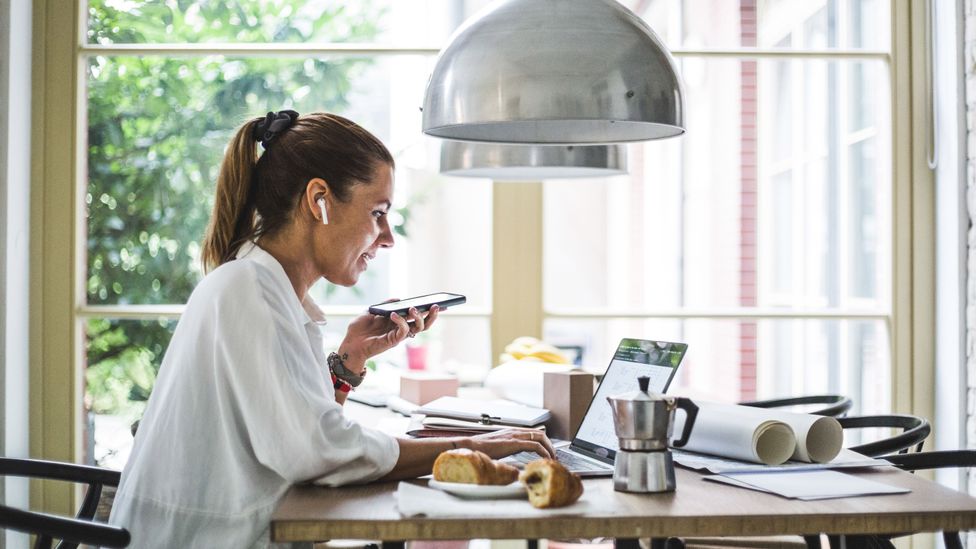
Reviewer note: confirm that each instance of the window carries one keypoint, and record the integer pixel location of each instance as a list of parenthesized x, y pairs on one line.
[(764, 237), (167, 85), (761, 237)]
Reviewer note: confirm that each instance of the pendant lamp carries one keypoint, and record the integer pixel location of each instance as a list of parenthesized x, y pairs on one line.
[(554, 72), (502, 162)]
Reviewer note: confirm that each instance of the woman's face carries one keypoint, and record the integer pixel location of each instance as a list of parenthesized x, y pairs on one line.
[(358, 228)]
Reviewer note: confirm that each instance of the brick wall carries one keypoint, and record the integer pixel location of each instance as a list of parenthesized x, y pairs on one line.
[(747, 203)]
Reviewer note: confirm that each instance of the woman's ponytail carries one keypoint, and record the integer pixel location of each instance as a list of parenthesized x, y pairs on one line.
[(232, 222)]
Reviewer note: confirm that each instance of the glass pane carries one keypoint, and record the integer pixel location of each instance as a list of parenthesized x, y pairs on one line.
[(680, 23), (738, 360), (417, 22), (123, 358), (157, 130), (765, 201), (690, 24)]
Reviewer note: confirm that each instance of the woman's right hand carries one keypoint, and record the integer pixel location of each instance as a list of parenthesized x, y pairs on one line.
[(498, 444)]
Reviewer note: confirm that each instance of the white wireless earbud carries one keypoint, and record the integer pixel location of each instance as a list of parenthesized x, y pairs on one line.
[(325, 216)]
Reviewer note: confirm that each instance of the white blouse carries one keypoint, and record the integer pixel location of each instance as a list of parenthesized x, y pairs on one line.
[(242, 409)]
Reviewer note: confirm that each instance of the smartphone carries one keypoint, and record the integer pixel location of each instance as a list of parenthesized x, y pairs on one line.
[(422, 303)]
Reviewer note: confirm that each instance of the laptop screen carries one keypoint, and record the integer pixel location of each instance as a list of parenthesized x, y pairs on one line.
[(658, 360)]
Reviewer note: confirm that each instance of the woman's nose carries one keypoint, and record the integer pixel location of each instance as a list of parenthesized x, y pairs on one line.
[(385, 240)]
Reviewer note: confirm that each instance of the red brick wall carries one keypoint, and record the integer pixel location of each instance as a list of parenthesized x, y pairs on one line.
[(747, 203)]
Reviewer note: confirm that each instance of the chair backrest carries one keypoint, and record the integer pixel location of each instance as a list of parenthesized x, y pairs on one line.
[(914, 432), (942, 459), (830, 405), (71, 531)]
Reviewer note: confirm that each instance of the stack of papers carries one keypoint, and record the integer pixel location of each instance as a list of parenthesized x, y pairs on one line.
[(807, 484), (720, 465), (795, 480)]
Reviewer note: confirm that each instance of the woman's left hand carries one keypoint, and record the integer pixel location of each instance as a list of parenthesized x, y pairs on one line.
[(369, 335)]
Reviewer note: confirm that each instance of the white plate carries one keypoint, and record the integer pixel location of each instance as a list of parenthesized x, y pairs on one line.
[(480, 491)]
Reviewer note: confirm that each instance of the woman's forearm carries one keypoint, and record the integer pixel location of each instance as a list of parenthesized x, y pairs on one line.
[(417, 455)]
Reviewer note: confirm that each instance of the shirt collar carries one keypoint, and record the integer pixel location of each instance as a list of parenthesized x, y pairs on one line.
[(307, 308)]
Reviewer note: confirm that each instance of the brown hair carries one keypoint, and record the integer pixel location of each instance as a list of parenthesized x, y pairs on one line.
[(256, 195)]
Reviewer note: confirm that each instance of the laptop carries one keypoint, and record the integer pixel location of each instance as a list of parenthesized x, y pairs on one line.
[(594, 446)]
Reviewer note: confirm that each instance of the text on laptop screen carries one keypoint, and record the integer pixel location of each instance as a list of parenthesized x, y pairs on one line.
[(657, 360)]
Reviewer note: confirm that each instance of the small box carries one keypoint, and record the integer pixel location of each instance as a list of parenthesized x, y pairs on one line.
[(423, 387), (566, 395)]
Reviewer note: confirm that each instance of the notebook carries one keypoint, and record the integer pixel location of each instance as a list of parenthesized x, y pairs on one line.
[(594, 446)]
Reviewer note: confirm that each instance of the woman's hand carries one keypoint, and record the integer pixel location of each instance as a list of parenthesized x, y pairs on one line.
[(369, 335), (498, 444)]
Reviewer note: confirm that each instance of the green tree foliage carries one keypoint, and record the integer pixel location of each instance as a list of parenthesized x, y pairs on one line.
[(157, 127)]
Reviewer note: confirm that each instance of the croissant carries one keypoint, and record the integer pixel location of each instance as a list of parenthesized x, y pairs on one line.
[(550, 485), (472, 467)]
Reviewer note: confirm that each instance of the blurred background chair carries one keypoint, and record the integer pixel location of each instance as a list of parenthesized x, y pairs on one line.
[(820, 405), (71, 531), (914, 431)]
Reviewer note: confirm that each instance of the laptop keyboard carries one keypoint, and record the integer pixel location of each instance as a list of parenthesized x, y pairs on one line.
[(572, 461)]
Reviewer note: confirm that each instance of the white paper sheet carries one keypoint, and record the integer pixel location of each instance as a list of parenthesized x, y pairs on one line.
[(762, 436), (846, 459), (809, 485)]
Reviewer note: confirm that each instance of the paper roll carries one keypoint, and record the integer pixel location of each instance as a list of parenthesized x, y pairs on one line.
[(762, 435)]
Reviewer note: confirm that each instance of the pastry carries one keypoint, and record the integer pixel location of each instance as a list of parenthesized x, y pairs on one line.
[(550, 484), (472, 467)]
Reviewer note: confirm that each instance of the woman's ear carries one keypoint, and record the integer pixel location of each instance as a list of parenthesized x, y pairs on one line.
[(317, 194)]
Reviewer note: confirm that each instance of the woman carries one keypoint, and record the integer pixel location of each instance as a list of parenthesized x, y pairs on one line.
[(247, 403)]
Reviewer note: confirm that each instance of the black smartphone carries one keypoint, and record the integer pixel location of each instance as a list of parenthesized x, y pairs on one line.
[(422, 303)]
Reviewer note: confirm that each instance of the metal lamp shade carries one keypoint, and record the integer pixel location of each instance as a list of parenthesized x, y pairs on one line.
[(554, 72), (531, 162)]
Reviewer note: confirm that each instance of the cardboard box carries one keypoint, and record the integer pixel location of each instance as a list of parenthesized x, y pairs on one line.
[(566, 395), (423, 387)]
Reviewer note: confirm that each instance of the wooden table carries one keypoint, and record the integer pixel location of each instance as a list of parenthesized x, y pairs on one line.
[(698, 508)]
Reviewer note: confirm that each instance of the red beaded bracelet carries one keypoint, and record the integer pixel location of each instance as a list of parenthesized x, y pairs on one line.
[(340, 385)]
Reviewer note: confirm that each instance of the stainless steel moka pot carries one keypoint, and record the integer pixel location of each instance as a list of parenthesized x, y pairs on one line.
[(643, 422)]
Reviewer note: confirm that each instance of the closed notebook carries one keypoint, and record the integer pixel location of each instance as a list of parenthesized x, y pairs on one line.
[(487, 412), (448, 427)]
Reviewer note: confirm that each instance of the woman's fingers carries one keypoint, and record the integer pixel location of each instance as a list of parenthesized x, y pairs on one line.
[(524, 440), (418, 321), (402, 328), (431, 317)]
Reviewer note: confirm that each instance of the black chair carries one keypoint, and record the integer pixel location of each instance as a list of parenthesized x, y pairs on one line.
[(830, 405), (943, 459), (914, 432), (71, 531)]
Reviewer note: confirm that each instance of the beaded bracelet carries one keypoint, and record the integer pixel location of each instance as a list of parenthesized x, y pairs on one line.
[(340, 385)]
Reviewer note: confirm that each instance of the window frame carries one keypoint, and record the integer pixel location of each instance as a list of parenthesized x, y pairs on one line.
[(58, 266)]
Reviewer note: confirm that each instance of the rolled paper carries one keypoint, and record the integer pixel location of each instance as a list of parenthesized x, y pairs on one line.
[(760, 435)]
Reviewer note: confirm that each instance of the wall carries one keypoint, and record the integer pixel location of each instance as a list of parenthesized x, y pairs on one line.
[(969, 49), (15, 131)]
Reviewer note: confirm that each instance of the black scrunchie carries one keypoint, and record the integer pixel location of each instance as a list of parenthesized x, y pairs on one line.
[(272, 125)]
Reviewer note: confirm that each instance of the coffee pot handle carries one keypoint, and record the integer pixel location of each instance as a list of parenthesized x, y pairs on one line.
[(691, 412)]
